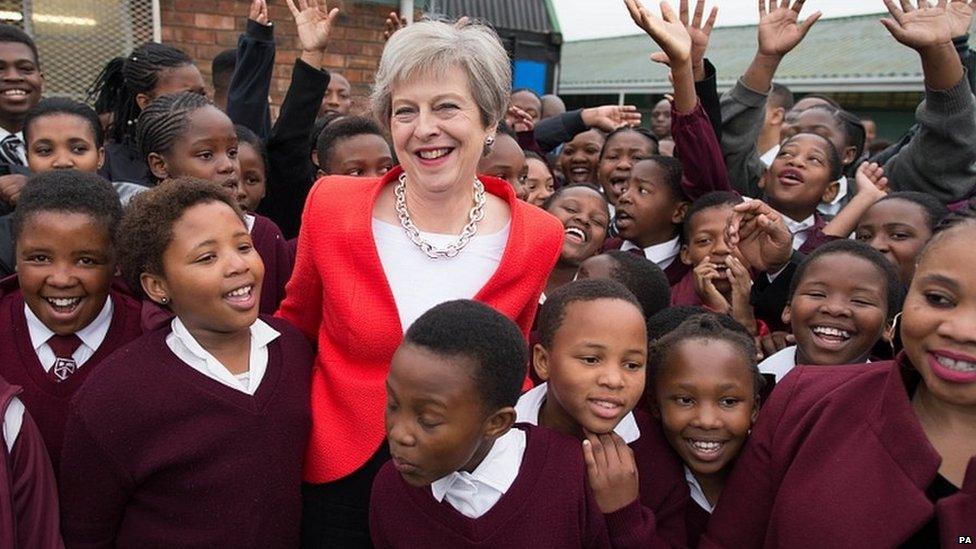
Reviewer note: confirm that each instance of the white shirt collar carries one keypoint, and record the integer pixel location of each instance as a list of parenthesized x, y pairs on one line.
[(697, 494), (22, 150), (779, 363), (91, 336), (528, 406), (249, 222), (662, 254), (189, 350), (770, 155), (474, 494)]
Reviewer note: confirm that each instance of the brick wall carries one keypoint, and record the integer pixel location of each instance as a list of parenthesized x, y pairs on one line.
[(204, 28)]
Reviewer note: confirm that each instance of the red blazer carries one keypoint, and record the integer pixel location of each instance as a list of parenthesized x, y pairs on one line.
[(838, 459), (338, 296)]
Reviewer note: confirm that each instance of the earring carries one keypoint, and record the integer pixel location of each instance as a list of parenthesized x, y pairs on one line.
[(489, 141), (164, 300)]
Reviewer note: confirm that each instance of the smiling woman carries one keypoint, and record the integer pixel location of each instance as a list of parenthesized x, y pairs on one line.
[(374, 255)]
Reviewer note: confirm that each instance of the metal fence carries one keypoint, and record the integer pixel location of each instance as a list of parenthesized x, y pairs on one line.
[(76, 38)]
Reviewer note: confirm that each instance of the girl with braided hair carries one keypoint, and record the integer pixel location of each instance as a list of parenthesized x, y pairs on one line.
[(124, 88), (185, 134)]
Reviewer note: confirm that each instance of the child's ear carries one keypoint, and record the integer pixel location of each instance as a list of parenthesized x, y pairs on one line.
[(787, 315), (775, 116), (101, 157), (685, 256), (755, 410), (679, 212), (499, 422), (156, 288), (763, 179), (143, 100), (157, 165), (849, 157), (830, 193), (319, 173), (314, 157), (540, 361)]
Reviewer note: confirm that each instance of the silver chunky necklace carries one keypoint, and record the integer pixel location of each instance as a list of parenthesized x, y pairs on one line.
[(476, 214)]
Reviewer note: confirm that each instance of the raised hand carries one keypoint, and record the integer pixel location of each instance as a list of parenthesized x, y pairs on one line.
[(919, 28), (870, 178), (259, 12), (314, 21), (779, 29), (667, 31), (519, 120), (699, 33), (611, 117), (960, 16), (393, 23), (611, 470), (761, 235), (705, 275)]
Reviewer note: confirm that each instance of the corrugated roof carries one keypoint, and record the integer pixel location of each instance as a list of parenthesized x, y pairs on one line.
[(845, 54), (522, 15)]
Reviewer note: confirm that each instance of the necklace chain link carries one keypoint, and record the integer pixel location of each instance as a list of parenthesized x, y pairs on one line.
[(476, 214)]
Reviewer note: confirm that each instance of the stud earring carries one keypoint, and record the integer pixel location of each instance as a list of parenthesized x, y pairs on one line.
[(164, 300)]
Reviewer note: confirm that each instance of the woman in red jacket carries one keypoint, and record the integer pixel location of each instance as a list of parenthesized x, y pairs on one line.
[(375, 254)]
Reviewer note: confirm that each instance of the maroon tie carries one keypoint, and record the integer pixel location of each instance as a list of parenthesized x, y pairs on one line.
[(637, 251), (64, 346)]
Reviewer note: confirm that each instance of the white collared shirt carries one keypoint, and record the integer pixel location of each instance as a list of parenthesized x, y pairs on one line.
[(799, 229), (779, 363), (528, 406), (249, 222), (187, 349), (662, 254), (474, 494), (770, 155), (22, 149), (91, 336), (13, 419), (697, 494)]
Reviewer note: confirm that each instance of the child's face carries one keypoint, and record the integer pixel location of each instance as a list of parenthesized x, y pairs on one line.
[(799, 178), (621, 153), (63, 142), (647, 211), (585, 219), (338, 96), (706, 238), (661, 119), (211, 272), (435, 421), (822, 123), (898, 229), (938, 323), (364, 155), (506, 161), (706, 398), (595, 367), (65, 264), (21, 82), (839, 310), (579, 157), (182, 78), (253, 176), (538, 182), (207, 150)]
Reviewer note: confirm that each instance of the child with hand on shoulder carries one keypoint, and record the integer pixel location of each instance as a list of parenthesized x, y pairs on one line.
[(142, 467), (592, 355), (461, 474)]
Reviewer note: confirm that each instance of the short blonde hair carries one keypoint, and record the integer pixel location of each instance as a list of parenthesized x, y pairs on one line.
[(433, 47)]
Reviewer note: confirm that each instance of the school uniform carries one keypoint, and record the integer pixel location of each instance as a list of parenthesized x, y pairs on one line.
[(808, 234), (27, 358), (838, 458), (656, 518), (165, 448), (278, 260), (28, 494), (664, 255), (547, 503), (247, 93)]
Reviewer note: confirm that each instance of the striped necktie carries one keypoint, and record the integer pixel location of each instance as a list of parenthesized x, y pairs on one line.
[(10, 150)]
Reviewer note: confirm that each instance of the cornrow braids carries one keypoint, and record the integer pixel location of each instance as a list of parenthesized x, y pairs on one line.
[(123, 78), (165, 119)]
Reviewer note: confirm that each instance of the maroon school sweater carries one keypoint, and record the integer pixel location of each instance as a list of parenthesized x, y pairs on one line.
[(548, 505), (279, 259), (46, 400), (156, 454), (657, 517)]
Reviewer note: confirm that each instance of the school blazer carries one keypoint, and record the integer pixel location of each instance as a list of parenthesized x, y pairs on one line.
[(838, 459)]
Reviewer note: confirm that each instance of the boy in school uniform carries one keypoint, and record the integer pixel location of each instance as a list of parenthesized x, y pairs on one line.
[(461, 475), (23, 78), (60, 317)]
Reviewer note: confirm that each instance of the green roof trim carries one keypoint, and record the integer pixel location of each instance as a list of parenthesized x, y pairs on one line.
[(854, 54)]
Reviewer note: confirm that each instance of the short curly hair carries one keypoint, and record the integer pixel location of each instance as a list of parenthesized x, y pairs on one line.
[(433, 47), (147, 227), (487, 341), (69, 191), (553, 311)]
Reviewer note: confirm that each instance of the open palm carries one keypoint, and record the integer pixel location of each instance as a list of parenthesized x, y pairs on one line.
[(919, 28), (779, 29), (314, 20), (667, 31)]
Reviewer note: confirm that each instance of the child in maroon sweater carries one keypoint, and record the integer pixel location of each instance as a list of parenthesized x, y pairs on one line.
[(193, 434), (592, 353), (59, 317), (184, 134), (461, 476)]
